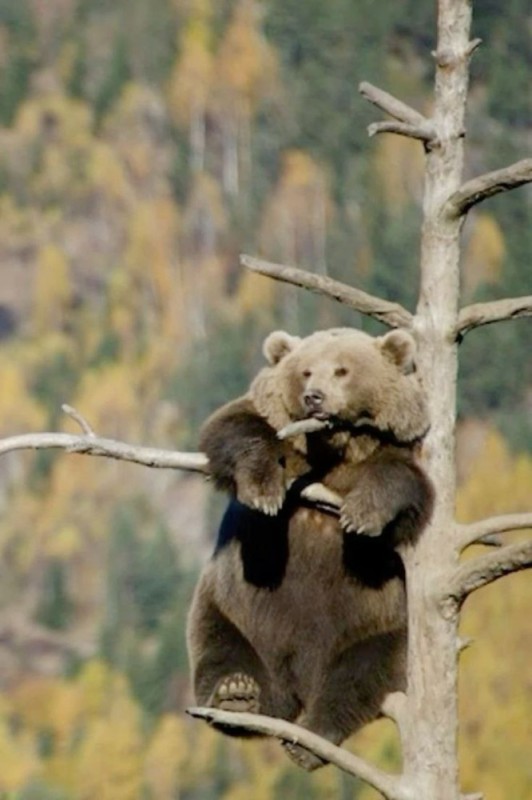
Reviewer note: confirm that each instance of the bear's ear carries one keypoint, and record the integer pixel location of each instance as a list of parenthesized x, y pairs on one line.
[(401, 349), (277, 345)]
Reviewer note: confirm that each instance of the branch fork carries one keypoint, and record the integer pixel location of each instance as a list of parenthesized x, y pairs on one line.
[(408, 121)]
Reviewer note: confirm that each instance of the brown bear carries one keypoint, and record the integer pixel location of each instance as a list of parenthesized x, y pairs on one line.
[(301, 614)]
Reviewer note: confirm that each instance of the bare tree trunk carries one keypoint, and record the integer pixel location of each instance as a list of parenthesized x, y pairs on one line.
[(430, 737)]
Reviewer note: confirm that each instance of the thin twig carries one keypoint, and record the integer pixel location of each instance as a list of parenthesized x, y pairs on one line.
[(303, 426), (479, 572), (391, 314), (392, 786), (464, 643), (321, 497), (79, 418), (478, 314), (424, 133), (488, 185), (473, 44), (110, 448), (476, 531)]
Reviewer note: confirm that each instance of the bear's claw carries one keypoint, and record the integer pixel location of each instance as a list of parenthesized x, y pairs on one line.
[(237, 692), (270, 506), (366, 521)]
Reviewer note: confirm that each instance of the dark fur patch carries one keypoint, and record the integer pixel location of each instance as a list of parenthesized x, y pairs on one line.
[(264, 545), (372, 561)]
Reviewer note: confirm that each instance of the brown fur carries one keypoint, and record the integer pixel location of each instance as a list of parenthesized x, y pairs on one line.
[(298, 615)]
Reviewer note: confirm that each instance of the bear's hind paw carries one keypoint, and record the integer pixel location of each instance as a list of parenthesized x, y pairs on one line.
[(237, 692), (302, 757)]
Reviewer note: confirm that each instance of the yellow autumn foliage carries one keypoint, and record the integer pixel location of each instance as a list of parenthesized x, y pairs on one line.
[(53, 289), (19, 412), (105, 173), (499, 482), (398, 165), (495, 696), (246, 65), (165, 756), (67, 120), (108, 399), (18, 759), (191, 80), (256, 293), (96, 682), (295, 219), (109, 760)]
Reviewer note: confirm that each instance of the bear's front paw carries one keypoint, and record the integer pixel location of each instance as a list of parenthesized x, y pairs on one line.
[(262, 488), (237, 692), (357, 515)]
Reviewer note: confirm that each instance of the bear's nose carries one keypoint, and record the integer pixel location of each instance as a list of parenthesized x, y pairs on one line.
[(313, 398)]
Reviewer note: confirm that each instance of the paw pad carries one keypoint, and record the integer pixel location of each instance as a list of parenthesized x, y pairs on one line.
[(237, 692)]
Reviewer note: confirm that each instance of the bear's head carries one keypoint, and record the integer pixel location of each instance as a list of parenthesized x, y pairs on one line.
[(345, 376)]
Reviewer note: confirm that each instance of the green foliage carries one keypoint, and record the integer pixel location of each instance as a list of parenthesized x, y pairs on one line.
[(147, 596), (18, 19), (215, 370), (14, 85), (39, 790), (295, 784), (55, 608), (76, 85), (116, 76), (326, 49), (54, 381)]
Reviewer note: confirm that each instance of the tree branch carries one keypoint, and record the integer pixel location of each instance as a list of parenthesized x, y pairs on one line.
[(391, 314), (111, 448), (391, 105), (423, 132), (479, 572), (409, 122), (474, 532), (391, 786), (485, 313), (488, 185), (79, 418)]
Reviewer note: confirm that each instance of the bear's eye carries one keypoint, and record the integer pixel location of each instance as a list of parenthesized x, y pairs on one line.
[(306, 373), (340, 372)]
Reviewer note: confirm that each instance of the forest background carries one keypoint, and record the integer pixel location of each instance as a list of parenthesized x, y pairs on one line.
[(143, 146)]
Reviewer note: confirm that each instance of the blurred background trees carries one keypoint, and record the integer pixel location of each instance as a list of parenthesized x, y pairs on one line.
[(143, 146)]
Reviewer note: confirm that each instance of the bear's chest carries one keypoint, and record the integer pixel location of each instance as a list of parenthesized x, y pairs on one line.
[(328, 592)]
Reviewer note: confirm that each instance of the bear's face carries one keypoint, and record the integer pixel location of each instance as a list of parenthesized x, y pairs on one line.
[(346, 375)]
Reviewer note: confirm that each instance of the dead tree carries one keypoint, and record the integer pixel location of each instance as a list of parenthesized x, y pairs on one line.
[(437, 582)]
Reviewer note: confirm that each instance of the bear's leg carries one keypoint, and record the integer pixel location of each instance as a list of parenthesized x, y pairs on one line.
[(230, 675), (353, 692)]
